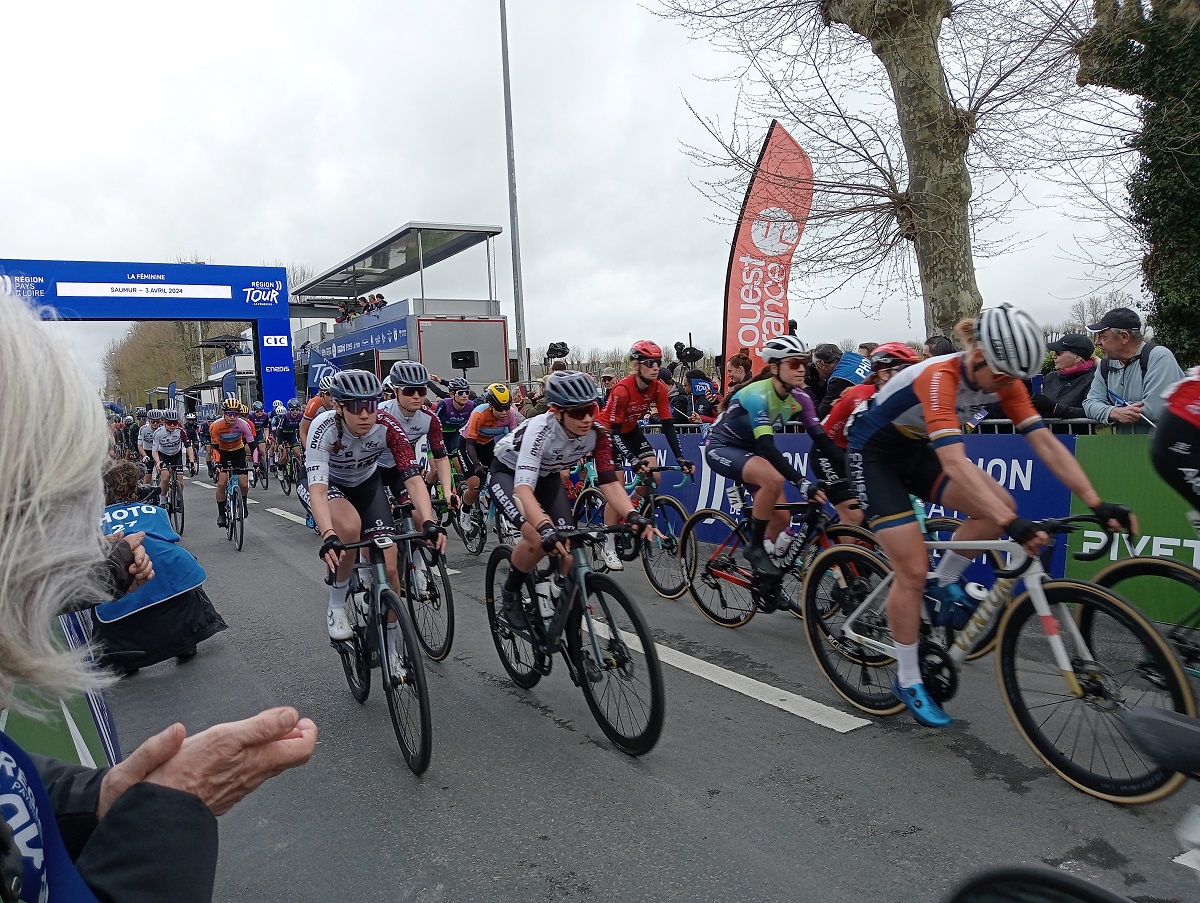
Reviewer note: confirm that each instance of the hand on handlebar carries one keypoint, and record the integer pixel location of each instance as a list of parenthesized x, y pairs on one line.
[(1031, 537), (812, 491), (331, 550), (687, 466), (552, 541), (641, 526), (1117, 518), (434, 536)]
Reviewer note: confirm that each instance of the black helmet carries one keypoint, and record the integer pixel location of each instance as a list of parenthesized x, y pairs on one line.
[(355, 385)]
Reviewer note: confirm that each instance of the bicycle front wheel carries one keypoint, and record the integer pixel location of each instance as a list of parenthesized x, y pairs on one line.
[(518, 654), (624, 689), (837, 583), (1082, 738), (791, 587), (285, 479), (175, 506), (237, 519), (660, 556), (403, 679), (264, 476), (430, 601), (719, 586)]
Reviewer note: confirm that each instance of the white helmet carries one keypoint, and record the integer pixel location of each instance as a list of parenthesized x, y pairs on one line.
[(1012, 342), (326, 384), (783, 346)]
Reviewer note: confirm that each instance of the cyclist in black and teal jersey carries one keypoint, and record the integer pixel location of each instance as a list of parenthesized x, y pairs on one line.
[(742, 446)]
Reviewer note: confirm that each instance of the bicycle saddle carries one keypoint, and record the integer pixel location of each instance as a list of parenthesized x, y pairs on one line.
[(1169, 738)]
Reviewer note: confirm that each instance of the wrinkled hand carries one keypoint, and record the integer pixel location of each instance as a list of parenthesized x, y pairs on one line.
[(142, 568), (1130, 413)]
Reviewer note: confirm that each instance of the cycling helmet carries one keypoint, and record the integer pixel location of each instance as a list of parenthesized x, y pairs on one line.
[(569, 388), (458, 384), (128, 419), (408, 373), (355, 385), (892, 354), (645, 349), (171, 415), (326, 384), (277, 403), (387, 387), (1012, 342), (190, 417), (784, 346), (498, 396), (155, 414), (232, 405), (294, 404), (141, 412), (258, 405)]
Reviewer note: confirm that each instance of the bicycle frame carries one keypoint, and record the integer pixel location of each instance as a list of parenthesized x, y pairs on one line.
[(1023, 567), (577, 574)]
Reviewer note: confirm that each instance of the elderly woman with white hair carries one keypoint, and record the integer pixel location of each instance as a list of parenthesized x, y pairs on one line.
[(144, 829)]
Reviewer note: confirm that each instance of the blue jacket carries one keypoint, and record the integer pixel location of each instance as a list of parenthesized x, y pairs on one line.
[(175, 570)]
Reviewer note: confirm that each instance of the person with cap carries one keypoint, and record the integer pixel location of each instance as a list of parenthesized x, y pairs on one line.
[(608, 376), (1066, 386), (1133, 375)]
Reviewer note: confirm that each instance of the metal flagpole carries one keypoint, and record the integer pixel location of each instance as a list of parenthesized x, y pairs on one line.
[(518, 294)]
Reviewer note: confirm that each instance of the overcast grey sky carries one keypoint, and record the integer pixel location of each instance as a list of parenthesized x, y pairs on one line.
[(304, 131)]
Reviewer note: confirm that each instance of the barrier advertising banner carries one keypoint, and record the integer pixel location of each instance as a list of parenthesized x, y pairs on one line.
[(772, 220)]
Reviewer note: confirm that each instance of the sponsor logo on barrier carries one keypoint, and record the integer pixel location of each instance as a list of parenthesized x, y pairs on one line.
[(1185, 550)]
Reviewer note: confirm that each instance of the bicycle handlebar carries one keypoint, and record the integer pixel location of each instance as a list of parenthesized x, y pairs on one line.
[(1072, 524)]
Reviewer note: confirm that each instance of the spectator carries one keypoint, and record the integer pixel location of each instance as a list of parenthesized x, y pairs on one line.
[(558, 364), (536, 402), (1132, 377), (866, 349), (738, 372), (824, 359), (844, 371), (343, 311), (702, 406), (145, 828), (1066, 386), (937, 345), (608, 376)]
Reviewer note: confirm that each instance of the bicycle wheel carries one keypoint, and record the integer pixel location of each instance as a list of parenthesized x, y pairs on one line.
[(589, 512), (660, 556), (719, 586), (285, 478), (355, 652), (264, 476), (237, 519), (1083, 739), (838, 581), (175, 507), (403, 679), (476, 537), (520, 658), (624, 689), (791, 587), (430, 600), (1141, 578), (943, 528)]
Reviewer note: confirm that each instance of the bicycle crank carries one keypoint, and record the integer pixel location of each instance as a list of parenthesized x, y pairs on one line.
[(938, 671)]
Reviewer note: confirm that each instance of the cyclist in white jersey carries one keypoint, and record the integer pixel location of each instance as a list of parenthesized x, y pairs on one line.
[(420, 424), (526, 486), (168, 450), (343, 489), (151, 421)]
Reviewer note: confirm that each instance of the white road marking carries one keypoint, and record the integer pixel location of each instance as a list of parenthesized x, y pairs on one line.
[(1191, 859), (288, 515), (196, 482), (797, 705)]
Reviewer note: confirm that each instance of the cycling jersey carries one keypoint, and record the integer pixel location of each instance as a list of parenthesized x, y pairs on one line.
[(167, 442), (837, 421), (1183, 397), (289, 427), (337, 456), (259, 420), (484, 426), (146, 437), (313, 407), (191, 430), (230, 436), (421, 424), (540, 447), (932, 400), (453, 418), (755, 410), (627, 404)]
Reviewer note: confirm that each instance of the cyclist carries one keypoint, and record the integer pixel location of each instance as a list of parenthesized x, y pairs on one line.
[(525, 484), (638, 395), (345, 490), (419, 422), (278, 412), (260, 420), (910, 441), (492, 419), (168, 450), (229, 437), (1175, 449), (130, 436), (454, 412), (289, 433), (742, 446), (319, 403), (389, 391), (887, 360), (191, 440)]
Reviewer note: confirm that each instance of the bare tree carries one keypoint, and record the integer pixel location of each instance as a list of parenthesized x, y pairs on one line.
[(919, 116)]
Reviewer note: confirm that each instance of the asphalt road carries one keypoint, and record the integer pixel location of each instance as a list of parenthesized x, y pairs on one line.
[(525, 799)]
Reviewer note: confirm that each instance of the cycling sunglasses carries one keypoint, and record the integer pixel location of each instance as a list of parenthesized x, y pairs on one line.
[(581, 411), (410, 391), (651, 362), (462, 392), (364, 406)]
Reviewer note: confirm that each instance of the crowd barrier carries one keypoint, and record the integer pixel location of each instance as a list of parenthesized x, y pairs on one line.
[(1118, 466)]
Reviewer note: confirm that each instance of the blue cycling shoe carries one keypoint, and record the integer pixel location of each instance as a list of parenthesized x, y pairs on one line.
[(921, 704), (310, 523)]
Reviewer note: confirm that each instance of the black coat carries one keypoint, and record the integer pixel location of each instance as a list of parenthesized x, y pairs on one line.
[(1066, 393)]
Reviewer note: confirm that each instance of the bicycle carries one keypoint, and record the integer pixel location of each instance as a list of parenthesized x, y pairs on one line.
[(599, 631), (426, 588), (1063, 684), (729, 593), (287, 474), (443, 513), (235, 507), (259, 473), (660, 557), (486, 516), (175, 498), (372, 605)]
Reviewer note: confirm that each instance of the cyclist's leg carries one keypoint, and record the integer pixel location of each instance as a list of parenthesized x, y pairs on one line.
[(528, 550), (164, 478), (222, 480), (1175, 453)]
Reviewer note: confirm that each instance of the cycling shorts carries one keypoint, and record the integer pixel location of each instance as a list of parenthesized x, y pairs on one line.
[(549, 492), (235, 458), (630, 446), (453, 441), (727, 460), (483, 457), (367, 498), (890, 469), (1175, 451), (168, 460)]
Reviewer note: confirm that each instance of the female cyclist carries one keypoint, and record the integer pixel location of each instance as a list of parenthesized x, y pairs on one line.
[(493, 419), (910, 441)]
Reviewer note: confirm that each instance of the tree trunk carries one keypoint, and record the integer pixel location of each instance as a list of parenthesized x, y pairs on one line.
[(936, 134)]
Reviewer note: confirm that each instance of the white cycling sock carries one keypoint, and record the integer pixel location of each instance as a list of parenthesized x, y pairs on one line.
[(337, 594), (950, 567), (910, 664), (610, 542), (391, 637)]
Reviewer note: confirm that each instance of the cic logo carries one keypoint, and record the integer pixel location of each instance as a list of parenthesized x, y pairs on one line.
[(276, 341)]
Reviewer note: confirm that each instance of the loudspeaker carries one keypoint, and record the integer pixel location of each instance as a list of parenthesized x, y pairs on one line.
[(464, 360)]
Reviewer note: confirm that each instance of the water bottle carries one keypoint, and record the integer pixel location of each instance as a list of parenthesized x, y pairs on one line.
[(547, 597), (782, 542), (966, 637)]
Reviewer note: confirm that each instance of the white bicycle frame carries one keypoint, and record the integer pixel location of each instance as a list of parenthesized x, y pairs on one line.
[(990, 608)]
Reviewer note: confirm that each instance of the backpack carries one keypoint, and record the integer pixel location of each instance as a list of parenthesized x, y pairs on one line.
[(1143, 359)]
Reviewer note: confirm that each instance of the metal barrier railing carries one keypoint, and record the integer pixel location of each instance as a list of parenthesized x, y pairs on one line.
[(1072, 427)]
